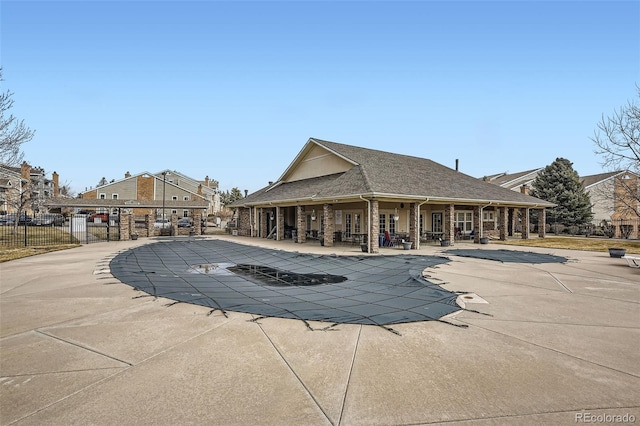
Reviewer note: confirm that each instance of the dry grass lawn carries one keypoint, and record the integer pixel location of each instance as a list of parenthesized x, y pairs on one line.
[(13, 253), (577, 243)]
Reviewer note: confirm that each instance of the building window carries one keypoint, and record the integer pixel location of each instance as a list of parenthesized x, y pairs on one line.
[(487, 216), (357, 224), (185, 213), (186, 198), (436, 222), (114, 196), (464, 221), (102, 196), (174, 198), (308, 222), (392, 226), (347, 225), (174, 211), (383, 223)]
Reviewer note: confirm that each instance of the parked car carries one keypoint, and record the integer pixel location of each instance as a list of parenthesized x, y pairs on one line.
[(7, 219), (184, 222), (48, 219), (162, 223), (24, 219), (104, 217)]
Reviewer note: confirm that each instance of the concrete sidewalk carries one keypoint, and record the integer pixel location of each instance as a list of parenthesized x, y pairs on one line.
[(551, 344)]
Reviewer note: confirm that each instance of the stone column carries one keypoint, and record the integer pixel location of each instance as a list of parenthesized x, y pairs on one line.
[(525, 224), (174, 224), (476, 224), (328, 225), (300, 224), (514, 221), (280, 222), (542, 223), (125, 234), (503, 222), (448, 228), (263, 223), (132, 225), (374, 227), (197, 222), (414, 225), (148, 225)]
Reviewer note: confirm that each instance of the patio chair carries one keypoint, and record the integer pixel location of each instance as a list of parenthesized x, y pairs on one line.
[(388, 242)]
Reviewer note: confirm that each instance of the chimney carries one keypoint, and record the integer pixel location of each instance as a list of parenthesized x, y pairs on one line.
[(246, 192), (206, 181), (56, 184), (457, 164), (127, 175), (200, 189), (524, 189)]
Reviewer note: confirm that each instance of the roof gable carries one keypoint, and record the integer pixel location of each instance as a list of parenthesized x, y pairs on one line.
[(315, 160)]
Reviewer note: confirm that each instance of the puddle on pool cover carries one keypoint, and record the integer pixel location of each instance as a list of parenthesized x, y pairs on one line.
[(264, 275)]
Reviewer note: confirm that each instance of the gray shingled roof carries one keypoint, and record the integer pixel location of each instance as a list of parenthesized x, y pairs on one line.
[(590, 180), (387, 174), (504, 179)]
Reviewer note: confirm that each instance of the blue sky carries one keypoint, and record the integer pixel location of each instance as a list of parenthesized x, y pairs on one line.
[(233, 90)]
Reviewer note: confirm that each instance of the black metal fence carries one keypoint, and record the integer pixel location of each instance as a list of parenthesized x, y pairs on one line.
[(51, 229)]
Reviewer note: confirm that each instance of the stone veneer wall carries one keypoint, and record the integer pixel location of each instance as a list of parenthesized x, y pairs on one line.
[(300, 224), (244, 222), (542, 220), (514, 221), (280, 217), (374, 227), (414, 225), (476, 224), (448, 221), (328, 225), (525, 224), (503, 222), (126, 222)]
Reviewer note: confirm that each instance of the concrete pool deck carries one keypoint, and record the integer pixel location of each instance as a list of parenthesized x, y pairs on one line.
[(561, 344)]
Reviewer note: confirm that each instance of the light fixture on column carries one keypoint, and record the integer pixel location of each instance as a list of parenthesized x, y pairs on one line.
[(396, 217), (313, 214)]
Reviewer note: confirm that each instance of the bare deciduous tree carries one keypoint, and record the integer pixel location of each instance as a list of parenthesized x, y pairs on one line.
[(13, 132), (617, 139)]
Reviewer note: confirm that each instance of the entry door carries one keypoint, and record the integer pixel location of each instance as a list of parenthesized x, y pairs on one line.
[(436, 222)]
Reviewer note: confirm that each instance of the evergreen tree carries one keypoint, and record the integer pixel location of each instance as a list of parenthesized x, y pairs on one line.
[(227, 197), (558, 183)]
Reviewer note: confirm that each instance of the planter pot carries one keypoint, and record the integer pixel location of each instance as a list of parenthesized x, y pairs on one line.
[(407, 245), (484, 240), (134, 236), (364, 248), (445, 243), (617, 252)]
